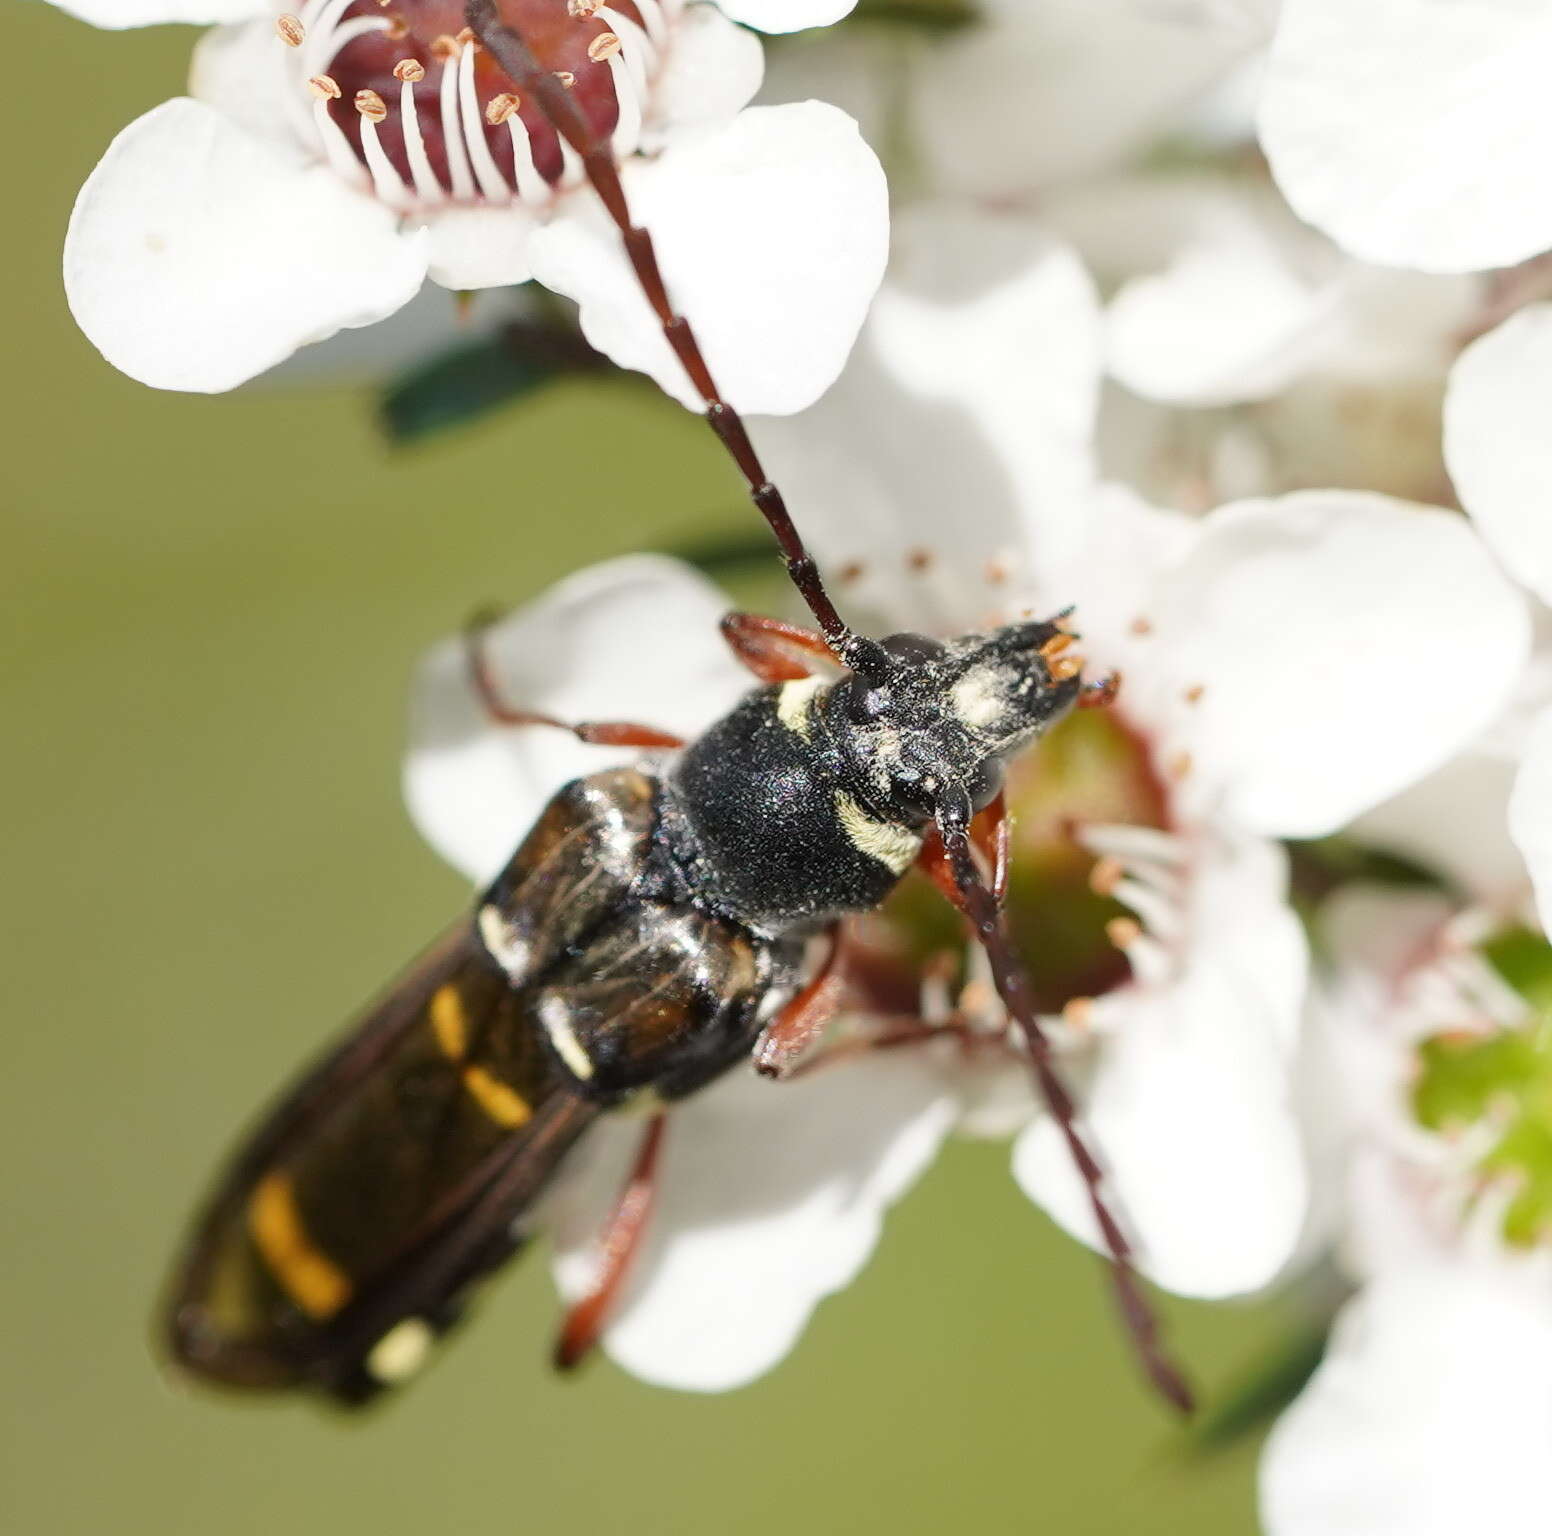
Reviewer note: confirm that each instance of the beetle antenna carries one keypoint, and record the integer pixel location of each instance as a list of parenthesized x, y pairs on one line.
[(979, 903), (513, 54)]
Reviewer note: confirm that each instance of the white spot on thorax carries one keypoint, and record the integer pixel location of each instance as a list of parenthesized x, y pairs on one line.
[(895, 847), (793, 702)]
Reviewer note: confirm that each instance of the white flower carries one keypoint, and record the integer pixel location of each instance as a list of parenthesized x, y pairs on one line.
[(1497, 454), (1414, 132), (1432, 1409), (1274, 687), (1027, 96), (1255, 356), (766, 15), (327, 162)]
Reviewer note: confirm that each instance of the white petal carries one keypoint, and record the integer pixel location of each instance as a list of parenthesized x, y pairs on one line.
[(1223, 324), (1414, 133), (787, 15), (1190, 1106), (1530, 814), (711, 73), (632, 639), (245, 72), (478, 247), (772, 234), (772, 1197), (1430, 1416), (1348, 644), (118, 14), (1496, 443), (1455, 822), (1047, 93), (197, 258), (961, 425), (433, 323)]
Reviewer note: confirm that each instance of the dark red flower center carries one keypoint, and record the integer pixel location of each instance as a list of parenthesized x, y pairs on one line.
[(403, 89)]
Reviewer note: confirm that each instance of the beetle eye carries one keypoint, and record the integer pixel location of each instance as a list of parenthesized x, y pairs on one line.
[(910, 647)]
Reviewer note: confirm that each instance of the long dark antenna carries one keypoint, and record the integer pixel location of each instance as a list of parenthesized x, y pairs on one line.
[(513, 54), (990, 922), (857, 652)]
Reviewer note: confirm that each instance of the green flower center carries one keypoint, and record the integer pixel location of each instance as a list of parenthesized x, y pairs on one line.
[(1502, 1081), (1089, 769)]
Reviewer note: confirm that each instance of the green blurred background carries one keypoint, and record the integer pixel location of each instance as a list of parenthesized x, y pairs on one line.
[(213, 606)]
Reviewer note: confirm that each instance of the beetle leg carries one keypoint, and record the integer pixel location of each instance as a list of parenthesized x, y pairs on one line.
[(990, 834), (775, 651), (798, 1023), (618, 1246), (602, 733)]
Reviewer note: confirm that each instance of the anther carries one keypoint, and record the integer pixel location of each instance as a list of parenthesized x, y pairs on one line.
[(583, 10), (1142, 626), (566, 78), (976, 998), (1106, 875), (1065, 668), (443, 47), (604, 46), (397, 27), (499, 108), (467, 39), (1123, 932), (919, 559), (850, 572), (1193, 694), (292, 32), (1079, 1012), (409, 70), (324, 87), (370, 105), (1180, 765), (996, 573)]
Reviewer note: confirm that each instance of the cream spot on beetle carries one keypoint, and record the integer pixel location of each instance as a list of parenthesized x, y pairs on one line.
[(793, 703), (895, 847), (556, 1019), (401, 1352)]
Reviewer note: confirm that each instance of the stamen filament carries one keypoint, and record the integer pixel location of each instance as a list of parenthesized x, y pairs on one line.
[(452, 130), (386, 181), (531, 186), (341, 153), (492, 183), (427, 188)]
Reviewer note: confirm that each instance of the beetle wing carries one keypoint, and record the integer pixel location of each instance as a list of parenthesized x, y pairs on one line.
[(379, 1187)]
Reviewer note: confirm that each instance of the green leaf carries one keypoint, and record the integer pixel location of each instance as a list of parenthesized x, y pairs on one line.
[(937, 16), (1267, 1387), (472, 381)]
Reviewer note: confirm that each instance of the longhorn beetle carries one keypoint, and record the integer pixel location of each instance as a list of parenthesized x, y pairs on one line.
[(648, 934)]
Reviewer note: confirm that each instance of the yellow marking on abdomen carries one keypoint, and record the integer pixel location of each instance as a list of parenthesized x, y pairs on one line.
[(894, 847), (310, 1278), (504, 1105), (449, 1022), (793, 702)]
